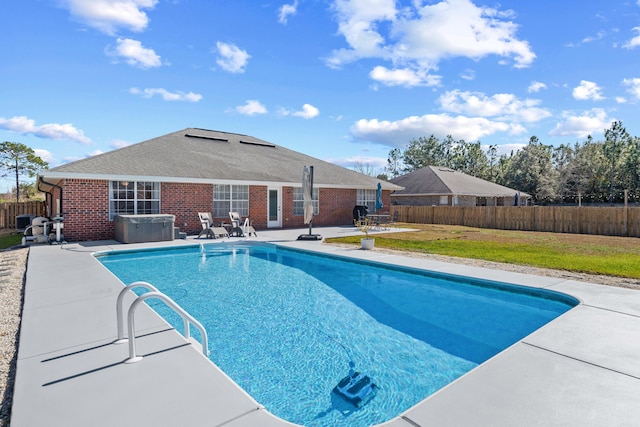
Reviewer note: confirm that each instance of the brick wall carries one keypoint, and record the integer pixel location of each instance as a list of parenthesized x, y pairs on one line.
[(86, 207), (258, 206), (289, 220), (185, 200), (336, 207)]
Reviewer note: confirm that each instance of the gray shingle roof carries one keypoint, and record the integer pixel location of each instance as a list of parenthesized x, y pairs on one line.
[(441, 181), (206, 155)]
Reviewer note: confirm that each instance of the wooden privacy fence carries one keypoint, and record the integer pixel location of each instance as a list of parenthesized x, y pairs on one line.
[(607, 221), (9, 211)]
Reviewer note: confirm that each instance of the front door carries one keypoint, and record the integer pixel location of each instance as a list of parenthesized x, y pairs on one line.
[(274, 210)]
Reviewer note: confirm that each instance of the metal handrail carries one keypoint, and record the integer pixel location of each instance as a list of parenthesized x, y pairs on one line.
[(186, 318), (119, 315)]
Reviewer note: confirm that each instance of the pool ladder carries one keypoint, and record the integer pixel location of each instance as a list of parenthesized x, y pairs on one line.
[(154, 293)]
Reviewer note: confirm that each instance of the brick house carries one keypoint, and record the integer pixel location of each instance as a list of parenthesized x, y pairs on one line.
[(197, 170), (440, 186)]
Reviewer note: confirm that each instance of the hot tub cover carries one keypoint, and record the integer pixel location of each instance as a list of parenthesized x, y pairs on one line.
[(144, 219), (144, 228)]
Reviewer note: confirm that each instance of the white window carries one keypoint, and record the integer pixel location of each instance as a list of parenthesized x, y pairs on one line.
[(133, 198), (230, 198), (444, 200), (298, 201), (367, 198)]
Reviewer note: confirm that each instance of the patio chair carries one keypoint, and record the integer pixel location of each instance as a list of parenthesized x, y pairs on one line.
[(208, 227), (239, 228), (385, 221), (396, 214), (236, 220)]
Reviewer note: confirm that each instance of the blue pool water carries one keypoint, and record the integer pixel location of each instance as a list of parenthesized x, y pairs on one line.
[(284, 324)]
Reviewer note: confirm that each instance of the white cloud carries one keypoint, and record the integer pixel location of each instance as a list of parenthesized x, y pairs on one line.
[(460, 28), (134, 53), (24, 125), (501, 106), (633, 86), (506, 149), (286, 10), (69, 159), (45, 155), (398, 133), (119, 143), (587, 91), (357, 23), (374, 163), (599, 35), (468, 74), (418, 37), (536, 87), (94, 153), (633, 42), (588, 123), (231, 57), (251, 108), (403, 77), (166, 95), (110, 15), (308, 112)]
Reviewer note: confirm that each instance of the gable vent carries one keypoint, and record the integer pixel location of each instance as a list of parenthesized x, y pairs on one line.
[(212, 138), (260, 143)]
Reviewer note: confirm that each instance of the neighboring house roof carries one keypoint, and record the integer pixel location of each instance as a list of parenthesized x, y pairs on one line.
[(207, 156), (435, 180)]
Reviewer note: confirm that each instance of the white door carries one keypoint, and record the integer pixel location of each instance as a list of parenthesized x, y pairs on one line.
[(274, 209)]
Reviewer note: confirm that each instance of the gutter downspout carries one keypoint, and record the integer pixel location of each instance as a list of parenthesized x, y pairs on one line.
[(52, 185)]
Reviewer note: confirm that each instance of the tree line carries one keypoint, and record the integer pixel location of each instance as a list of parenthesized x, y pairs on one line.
[(16, 160), (587, 172)]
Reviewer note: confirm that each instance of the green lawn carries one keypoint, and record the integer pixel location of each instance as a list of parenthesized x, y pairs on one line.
[(9, 240), (606, 255)]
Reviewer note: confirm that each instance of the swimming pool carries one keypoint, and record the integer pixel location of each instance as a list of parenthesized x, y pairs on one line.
[(284, 324)]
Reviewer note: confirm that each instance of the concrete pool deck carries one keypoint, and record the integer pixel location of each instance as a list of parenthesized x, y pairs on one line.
[(582, 369)]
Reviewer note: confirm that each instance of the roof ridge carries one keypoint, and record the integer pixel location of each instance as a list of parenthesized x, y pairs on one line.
[(439, 177), (219, 131)]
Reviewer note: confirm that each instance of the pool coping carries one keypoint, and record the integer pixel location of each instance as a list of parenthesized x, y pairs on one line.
[(580, 369)]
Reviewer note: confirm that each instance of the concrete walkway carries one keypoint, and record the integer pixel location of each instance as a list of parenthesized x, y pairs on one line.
[(582, 369)]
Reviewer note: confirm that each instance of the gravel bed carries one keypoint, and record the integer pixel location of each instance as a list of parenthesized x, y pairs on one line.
[(13, 264)]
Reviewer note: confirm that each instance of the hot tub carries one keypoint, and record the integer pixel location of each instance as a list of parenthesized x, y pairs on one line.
[(144, 228)]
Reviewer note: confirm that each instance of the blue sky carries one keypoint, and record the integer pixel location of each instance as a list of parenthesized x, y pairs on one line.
[(344, 81)]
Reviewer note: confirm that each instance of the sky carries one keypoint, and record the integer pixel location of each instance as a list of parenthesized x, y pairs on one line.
[(345, 81)]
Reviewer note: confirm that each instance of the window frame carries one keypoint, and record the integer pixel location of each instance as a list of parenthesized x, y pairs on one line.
[(298, 201), (134, 198), (230, 198), (366, 197)]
